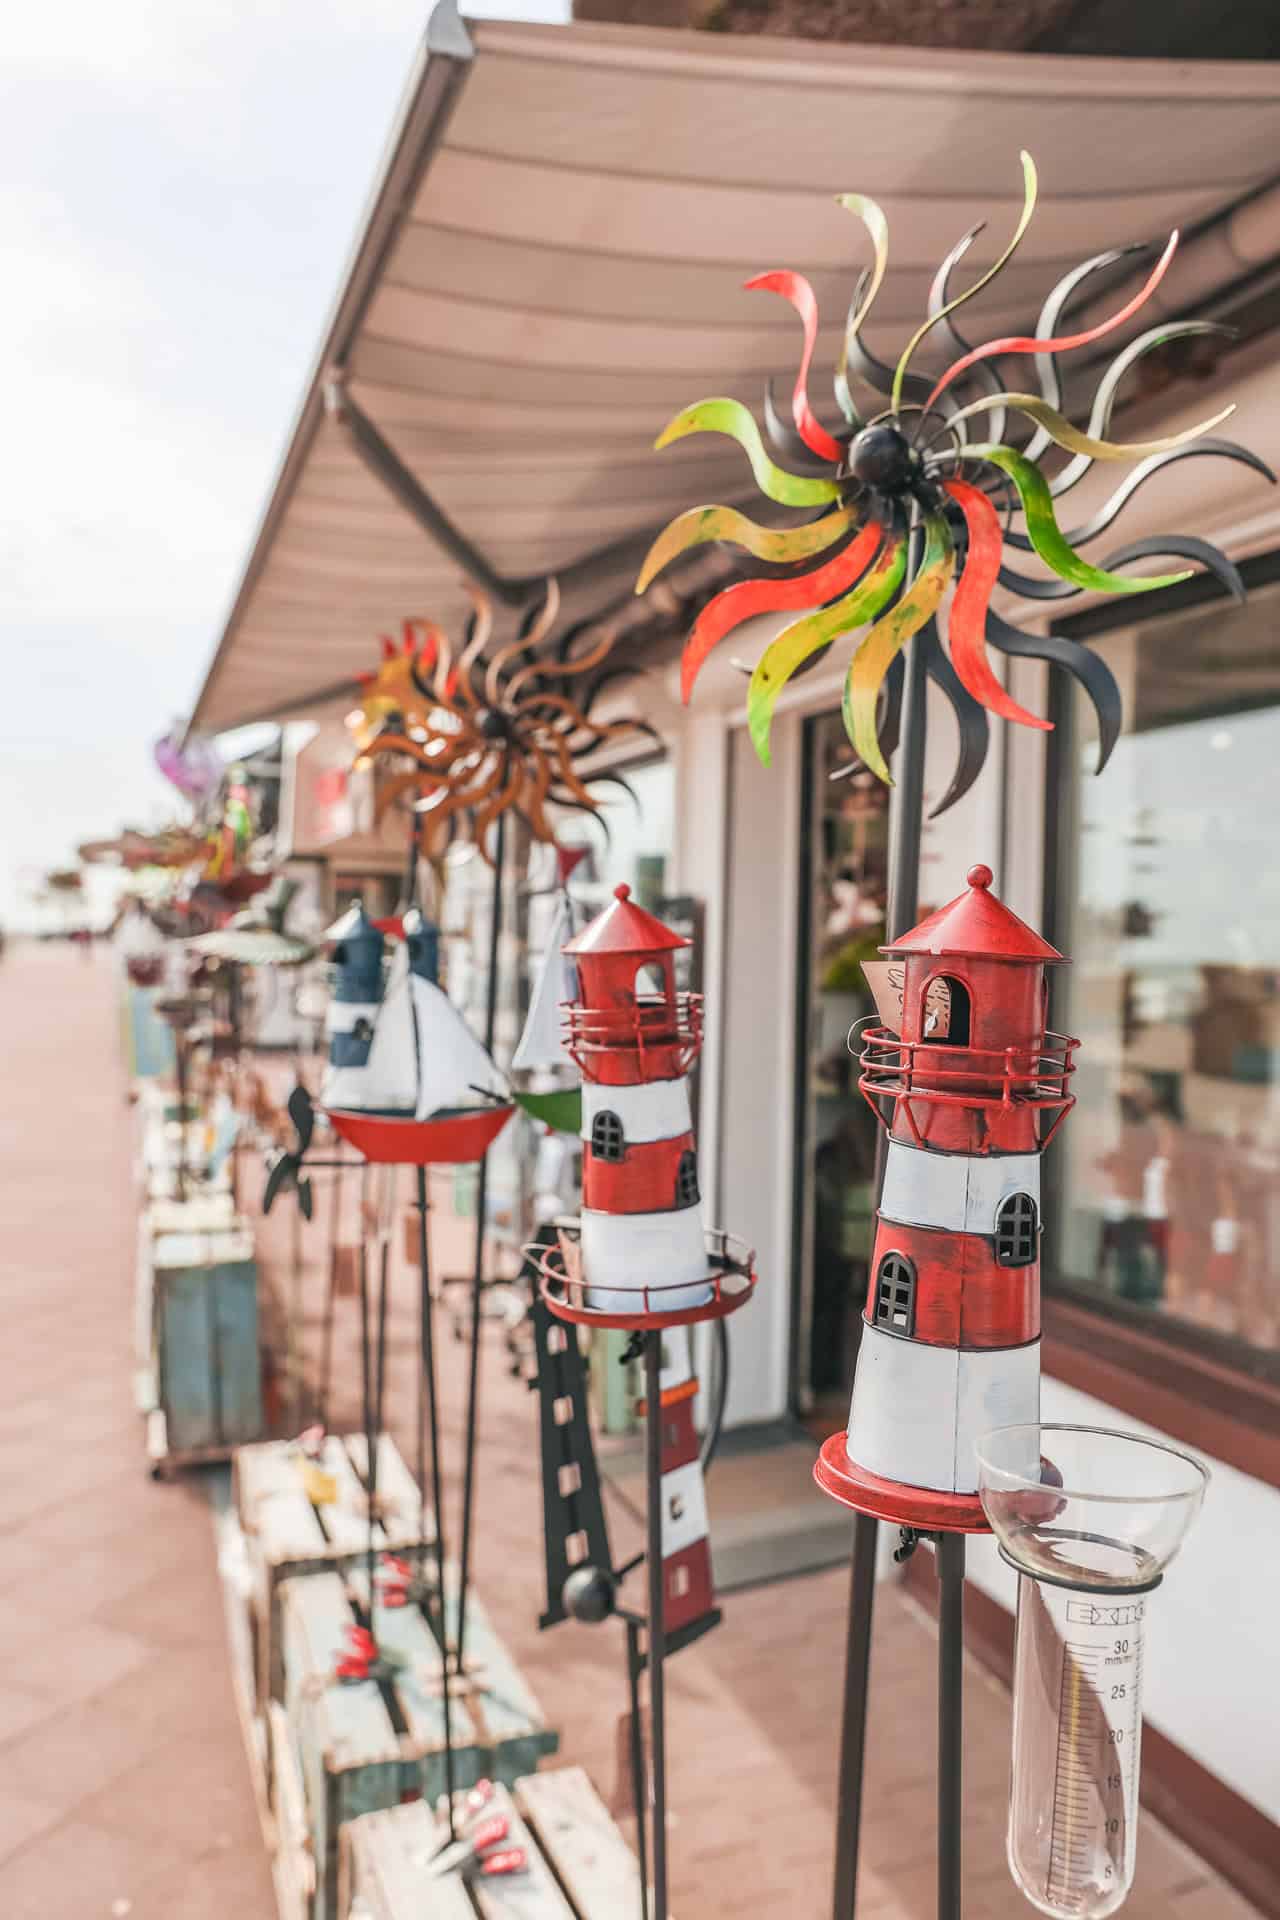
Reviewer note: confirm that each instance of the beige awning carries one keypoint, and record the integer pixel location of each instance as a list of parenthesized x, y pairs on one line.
[(552, 266)]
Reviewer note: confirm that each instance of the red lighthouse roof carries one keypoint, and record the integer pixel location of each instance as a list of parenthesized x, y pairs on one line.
[(979, 926), (625, 928)]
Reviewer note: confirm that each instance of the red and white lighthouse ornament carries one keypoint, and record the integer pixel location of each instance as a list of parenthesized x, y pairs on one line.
[(688, 1595), (638, 1255), (635, 1039), (970, 1089)]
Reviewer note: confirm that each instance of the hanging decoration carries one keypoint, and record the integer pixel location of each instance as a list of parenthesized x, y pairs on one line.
[(489, 735), (190, 762), (906, 501)]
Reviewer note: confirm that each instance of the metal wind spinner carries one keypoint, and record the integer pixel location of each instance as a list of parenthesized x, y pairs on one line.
[(911, 501)]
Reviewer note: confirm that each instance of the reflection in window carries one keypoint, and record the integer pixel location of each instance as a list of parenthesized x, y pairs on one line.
[(1172, 919)]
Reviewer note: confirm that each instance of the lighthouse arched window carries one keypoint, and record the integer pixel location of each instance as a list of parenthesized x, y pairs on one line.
[(896, 1294), (1017, 1231), (687, 1180), (947, 1013), (608, 1140)]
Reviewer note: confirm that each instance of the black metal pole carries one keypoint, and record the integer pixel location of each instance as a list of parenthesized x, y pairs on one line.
[(950, 1566), (906, 826), (427, 1377), (853, 1729), (477, 1277), (657, 1616), (331, 1295), (639, 1783), (366, 1369)]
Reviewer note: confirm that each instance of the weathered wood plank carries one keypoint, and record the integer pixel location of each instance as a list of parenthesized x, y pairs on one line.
[(347, 1746), (382, 1876), (404, 1632), (293, 1865), (398, 1495), (577, 1834), (509, 1718), (385, 1872)]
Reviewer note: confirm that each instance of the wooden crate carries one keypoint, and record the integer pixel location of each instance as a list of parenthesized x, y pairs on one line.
[(580, 1867), (199, 1365), (286, 1536), (363, 1747)]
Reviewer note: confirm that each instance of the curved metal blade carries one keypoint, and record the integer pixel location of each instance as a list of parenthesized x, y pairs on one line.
[(938, 310), (301, 1111), (971, 720), (305, 1199), (1107, 515), (1179, 546), (786, 441), (281, 1175), (1090, 673)]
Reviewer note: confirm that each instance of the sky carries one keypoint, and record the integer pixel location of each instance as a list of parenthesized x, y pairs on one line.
[(180, 185)]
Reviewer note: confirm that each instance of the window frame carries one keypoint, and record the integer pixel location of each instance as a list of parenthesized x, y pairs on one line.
[(600, 1122), (1209, 1389), (885, 1323)]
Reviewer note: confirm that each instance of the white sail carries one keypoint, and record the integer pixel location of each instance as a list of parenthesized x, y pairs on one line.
[(452, 1064), (541, 1044), (391, 1072)]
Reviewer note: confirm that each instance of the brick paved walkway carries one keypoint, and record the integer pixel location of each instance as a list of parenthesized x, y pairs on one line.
[(121, 1775)]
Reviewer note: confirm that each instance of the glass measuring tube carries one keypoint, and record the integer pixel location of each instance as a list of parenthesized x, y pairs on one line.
[(1090, 1520), (1077, 1737)]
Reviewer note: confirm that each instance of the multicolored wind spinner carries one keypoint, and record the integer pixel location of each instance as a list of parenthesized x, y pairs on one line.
[(921, 494)]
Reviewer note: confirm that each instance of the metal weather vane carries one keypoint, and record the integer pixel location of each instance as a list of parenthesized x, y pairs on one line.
[(920, 494), (491, 734)]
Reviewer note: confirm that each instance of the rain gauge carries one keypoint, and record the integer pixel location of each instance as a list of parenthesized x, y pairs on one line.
[(1090, 1520)]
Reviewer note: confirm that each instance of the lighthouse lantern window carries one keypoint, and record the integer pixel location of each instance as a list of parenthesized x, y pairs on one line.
[(1017, 1231), (896, 1294), (687, 1180), (608, 1141), (946, 1013)]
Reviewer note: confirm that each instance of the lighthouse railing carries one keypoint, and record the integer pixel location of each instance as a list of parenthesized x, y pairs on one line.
[(659, 1024), (1036, 1077)]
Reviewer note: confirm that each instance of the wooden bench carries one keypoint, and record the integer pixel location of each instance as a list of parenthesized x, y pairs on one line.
[(580, 1867), (286, 1536), (364, 1746)]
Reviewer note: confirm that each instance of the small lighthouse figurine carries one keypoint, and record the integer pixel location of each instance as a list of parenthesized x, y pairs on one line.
[(634, 1039), (971, 1089)]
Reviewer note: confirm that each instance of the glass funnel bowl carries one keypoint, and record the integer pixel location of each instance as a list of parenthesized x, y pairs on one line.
[(1085, 1507)]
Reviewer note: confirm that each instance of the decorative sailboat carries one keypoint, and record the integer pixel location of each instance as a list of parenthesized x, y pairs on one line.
[(408, 1083), (542, 1050)]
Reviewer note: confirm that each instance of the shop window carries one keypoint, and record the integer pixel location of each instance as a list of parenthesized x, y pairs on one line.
[(1017, 1231), (896, 1294), (687, 1194), (608, 1142), (1164, 891)]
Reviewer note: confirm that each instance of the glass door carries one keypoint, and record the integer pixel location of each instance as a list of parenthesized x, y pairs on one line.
[(844, 872)]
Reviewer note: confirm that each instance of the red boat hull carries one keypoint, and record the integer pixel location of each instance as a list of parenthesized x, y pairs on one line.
[(420, 1143)]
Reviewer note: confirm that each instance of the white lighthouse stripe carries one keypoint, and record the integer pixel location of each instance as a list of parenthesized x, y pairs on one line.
[(994, 1389), (917, 1410), (959, 1192), (656, 1110), (622, 1253), (684, 1508)]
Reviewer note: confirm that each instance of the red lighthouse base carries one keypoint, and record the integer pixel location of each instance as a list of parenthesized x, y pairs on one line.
[(923, 1508)]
